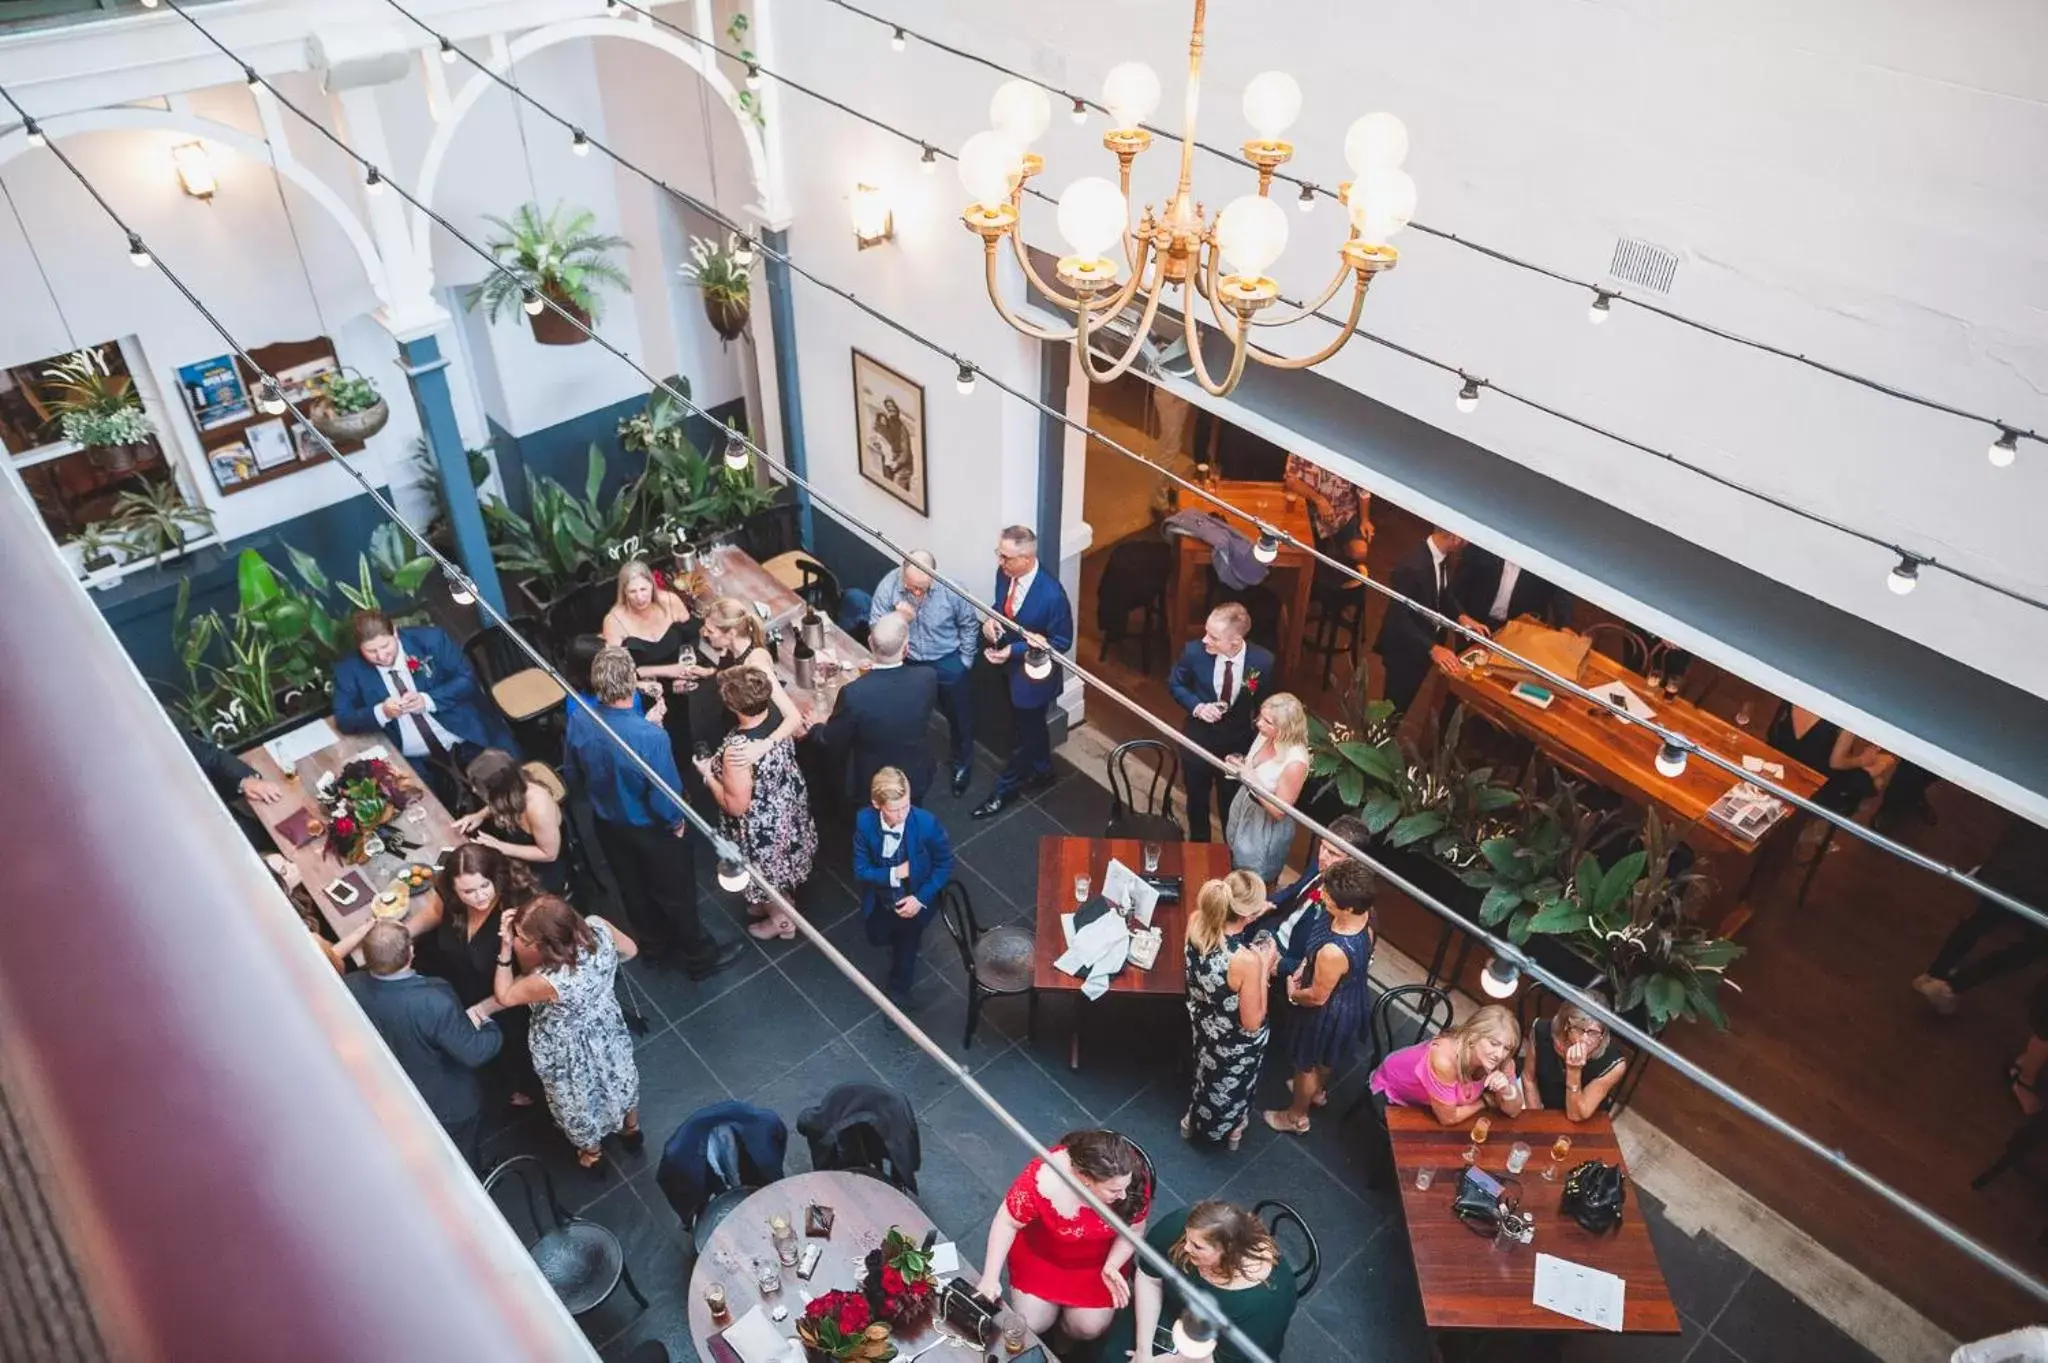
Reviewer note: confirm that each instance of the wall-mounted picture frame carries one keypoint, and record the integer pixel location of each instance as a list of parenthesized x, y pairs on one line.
[(889, 434)]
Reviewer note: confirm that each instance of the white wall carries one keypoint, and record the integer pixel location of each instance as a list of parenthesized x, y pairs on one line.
[(1841, 180)]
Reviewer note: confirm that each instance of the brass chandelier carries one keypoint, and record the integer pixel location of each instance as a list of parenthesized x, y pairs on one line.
[(1223, 257)]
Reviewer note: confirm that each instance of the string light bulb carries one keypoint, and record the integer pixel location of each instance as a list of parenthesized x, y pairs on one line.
[(1500, 979), (1599, 311), (460, 589), (1268, 547), (1037, 664), (928, 161), (1671, 760), (736, 454), (1080, 112), (137, 255), (1906, 576), (1194, 1334), (149, 4), (753, 76), (269, 398), (1468, 396), (963, 382), (448, 53), (898, 40), (743, 252), (580, 143), (2003, 450), (732, 871), (534, 304), (35, 133), (251, 79), (1307, 202), (373, 183)]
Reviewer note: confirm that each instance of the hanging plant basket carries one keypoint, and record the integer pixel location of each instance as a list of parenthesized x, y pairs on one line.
[(356, 426), (728, 316), (551, 328), (117, 458)]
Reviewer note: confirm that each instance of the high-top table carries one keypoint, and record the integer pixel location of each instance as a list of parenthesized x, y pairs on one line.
[(1277, 507), (729, 571), (1466, 1283)]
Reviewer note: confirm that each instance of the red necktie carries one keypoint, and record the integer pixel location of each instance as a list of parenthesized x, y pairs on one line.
[(1229, 684), (1010, 601)]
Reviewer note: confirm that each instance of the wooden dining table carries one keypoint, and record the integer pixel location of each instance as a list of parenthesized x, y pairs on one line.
[(1466, 1283), (432, 832), (727, 570), (863, 1210), (1277, 507)]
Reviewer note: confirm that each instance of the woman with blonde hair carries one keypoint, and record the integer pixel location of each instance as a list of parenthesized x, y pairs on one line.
[(1257, 830), (1458, 1072), (1234, 1256), (733, 636), (1331, 994), (651, 622), (1226, 1005)]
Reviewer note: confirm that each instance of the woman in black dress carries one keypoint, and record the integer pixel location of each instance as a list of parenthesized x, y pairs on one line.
[(1856, 772), (521, 817), (478, 886), (1575, 1064), (653, 623)]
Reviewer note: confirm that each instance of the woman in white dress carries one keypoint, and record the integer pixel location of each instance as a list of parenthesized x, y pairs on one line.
[(1257, 832)]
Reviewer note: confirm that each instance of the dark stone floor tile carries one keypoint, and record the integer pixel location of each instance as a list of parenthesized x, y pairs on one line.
[(1373, 1299), (1764, 1321), (987, 1146), (993, 903), (668, 1320), (1343, 1224), (1600, 1347), (958, 1201), (1702, 1273), (674, 1082), (1188, 1171), (802, 1086), (903, 1064), (574, 1186), (1127, 1045), (1712, 1350), (1078, 804), (1004, 849), (825, 985), (654, 1256), (678, 996), (1308, 1342), (753, 1037)]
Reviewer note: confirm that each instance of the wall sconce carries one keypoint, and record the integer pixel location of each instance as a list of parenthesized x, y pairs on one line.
[(873, 223), (195, 170)]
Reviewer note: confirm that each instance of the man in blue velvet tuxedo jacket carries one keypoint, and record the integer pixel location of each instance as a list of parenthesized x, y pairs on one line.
[(901, 860), (1038, 615)]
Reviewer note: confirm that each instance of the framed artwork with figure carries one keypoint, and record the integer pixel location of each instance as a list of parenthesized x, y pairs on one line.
[(888, 415)]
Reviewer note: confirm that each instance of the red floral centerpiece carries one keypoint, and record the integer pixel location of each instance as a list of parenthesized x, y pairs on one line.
[(900, 1285), (365, 795), (840, 1327)]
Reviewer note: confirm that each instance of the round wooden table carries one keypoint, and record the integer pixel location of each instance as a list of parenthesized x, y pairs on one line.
[(864, 1208)]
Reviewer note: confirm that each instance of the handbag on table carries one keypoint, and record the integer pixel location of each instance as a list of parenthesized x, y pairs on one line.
[(1593, 1196)]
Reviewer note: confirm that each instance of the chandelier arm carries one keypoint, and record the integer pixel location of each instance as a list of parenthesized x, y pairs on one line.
[(995, 297), (1144, 329), (1337, 282), (1234, 325), (1344, 335), (1194, 335), (1074, 305)]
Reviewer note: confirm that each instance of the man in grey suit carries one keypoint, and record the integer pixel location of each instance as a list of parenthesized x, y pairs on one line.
[(438, 1044)]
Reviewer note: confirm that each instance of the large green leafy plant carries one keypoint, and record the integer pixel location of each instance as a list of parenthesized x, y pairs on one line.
[(1408, 798), (559, 254), (562, 537), (94, 406)]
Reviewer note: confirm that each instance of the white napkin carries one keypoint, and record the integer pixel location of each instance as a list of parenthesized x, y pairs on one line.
[(755, 1339)]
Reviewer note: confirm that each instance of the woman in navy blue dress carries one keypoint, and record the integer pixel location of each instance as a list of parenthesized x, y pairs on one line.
[(1331, 994)]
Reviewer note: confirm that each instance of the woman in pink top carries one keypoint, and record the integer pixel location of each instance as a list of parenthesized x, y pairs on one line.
[(1459, 1072)]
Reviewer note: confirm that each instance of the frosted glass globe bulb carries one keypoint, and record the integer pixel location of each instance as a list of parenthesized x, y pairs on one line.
[(1130, 92), (1020, 111), (987, 162), (1271, 104), (1378, 139), (1251, 234), (1092, 215)]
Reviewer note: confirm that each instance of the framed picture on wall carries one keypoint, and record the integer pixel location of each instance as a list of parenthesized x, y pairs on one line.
[(888, 416)]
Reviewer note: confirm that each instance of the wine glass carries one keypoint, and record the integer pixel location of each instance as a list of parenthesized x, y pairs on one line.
[(1082, 885), (1150, 853), (1480, 1129), (1559, 1148)]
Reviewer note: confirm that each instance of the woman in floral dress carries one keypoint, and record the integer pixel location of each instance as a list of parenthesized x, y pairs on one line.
[(1226, 1006), (581, 1049), (767, 809)]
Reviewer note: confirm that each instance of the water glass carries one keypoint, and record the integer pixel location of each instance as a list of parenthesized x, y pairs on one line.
[(1014, 1333), (1518, 1157), (714, 1301), (768, 1277), (1151, 855), (1424, 1176), (1082, 885)]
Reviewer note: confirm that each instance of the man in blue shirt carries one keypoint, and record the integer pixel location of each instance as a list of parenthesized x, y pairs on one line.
[(641, 830), (943, 637)]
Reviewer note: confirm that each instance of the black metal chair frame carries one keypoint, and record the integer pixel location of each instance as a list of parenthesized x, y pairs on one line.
[(1336, 611), (564, 617), (956, 911), (1158, 785), (1274, 1214), (1380, 1029), (563, 1220), (1112, 628)]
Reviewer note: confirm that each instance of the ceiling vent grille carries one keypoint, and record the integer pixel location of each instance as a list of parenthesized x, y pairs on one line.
[(1643, 263)]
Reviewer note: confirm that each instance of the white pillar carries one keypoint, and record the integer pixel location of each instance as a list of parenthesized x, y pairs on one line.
[(412, 311)]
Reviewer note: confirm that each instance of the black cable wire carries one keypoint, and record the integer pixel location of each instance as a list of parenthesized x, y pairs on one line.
[(1898, 551), (727, 851), (1481, 248), (1568, 685)]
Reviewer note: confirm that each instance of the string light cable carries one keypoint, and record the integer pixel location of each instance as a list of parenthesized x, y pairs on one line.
[(1604, 295), (730, 854), (968, 372)]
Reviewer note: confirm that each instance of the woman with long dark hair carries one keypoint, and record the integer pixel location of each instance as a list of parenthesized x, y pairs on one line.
[(1226, 1250), (562, 965), (478, 887), (521, 817), (1066, 1263)]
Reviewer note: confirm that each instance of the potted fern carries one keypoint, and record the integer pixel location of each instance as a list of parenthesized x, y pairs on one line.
[(347, 406), (721, 276), (558, 256), (99, 409)]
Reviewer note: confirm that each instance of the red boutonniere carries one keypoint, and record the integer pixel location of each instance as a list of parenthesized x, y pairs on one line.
[(419, 667), (1252, 678)]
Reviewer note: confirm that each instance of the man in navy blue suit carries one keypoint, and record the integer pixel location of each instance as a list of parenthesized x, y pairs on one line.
[(1294, 906), (1039, 617), (1220, 680), (901, 860), (415, 685)]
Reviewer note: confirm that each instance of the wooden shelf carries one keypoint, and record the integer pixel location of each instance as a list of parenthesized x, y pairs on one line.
[(276, 359)]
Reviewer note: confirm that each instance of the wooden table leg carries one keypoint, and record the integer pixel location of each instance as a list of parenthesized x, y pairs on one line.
[(1297, 620)]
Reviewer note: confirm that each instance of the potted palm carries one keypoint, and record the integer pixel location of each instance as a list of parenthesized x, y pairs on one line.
[(157, 520), (347, 406), (558, 256), (99, 409), (720, 274)]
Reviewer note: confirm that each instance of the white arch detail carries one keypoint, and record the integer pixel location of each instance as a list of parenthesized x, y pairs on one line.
[(540, 39), (158, 120)]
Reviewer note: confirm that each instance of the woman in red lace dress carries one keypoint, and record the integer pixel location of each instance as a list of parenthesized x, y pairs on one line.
[(1065, 1262)]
